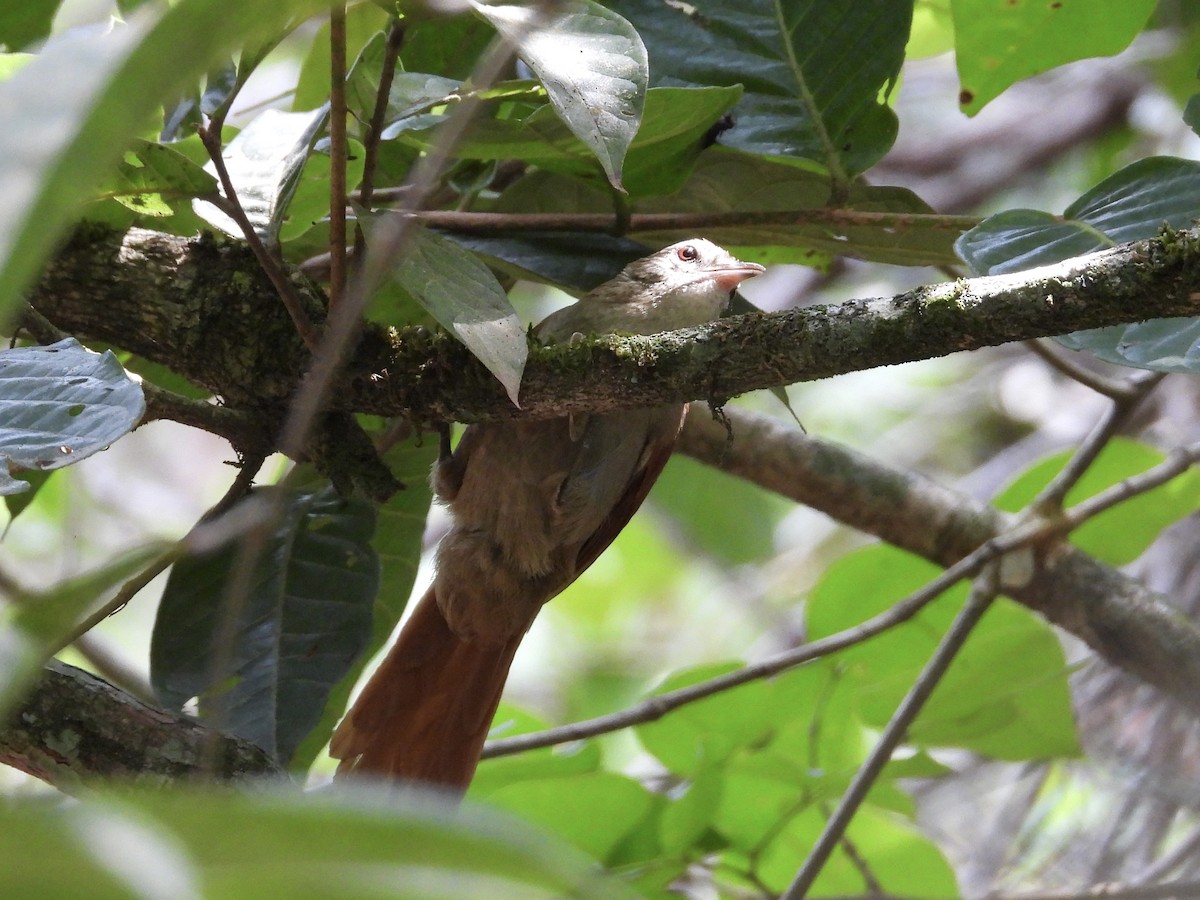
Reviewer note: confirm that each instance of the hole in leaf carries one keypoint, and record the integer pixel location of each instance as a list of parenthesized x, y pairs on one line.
[(75, 410)]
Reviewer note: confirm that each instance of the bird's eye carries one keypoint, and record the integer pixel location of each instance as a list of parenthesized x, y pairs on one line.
[(688, 253)]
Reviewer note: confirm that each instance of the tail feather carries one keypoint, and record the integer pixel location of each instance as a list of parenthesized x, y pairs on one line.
[(425, 713)]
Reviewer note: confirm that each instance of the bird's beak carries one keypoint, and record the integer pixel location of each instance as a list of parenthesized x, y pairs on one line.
[(731, 274)]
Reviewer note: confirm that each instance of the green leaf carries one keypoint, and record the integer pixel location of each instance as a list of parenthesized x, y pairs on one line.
[(709, 730), (593, 811), (1191, 113), (727, 181), (310, 202), (363, 22), (576, 758), (191, 843), (33, 626), (660, 157), (158, 183), (1132, 204), (1121, 534), (61, 404), (410, 92), (690, 813), (984, 703), (66, 117), (573, 260), (466, 299), (303, 625), (730, 519), (399, 530), (905, 862), (998, 44), (593, 65), (1163, 345), (265, 162), (813, 71), (21, 24)]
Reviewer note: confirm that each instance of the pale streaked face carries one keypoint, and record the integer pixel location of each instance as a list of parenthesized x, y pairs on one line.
[(694, 263), (685, 284), (690, 282)]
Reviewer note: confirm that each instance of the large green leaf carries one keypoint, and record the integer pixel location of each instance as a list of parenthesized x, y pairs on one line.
[(66, 117), (230, 846), (1129, 205), (593, 811), (987, 702), (998, 42), (399, 529), (309, 204), (593, 65), (21, 24), (465, 298), (813, 70), (1121, 534), (709, 730), (363, 22), (304, 623), (59, 405)]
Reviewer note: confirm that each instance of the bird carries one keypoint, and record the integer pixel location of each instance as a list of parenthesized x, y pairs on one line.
[(532, 503)]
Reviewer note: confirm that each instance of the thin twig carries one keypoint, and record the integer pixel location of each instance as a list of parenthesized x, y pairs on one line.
[(124, 594), (1177, 462), (1115, 388), (337, 155), (40, 328), (610, 223), (982, 594), (1050, 499), (374, 131)]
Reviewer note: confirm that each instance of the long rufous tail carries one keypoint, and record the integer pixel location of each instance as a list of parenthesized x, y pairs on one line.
[(425, 713)]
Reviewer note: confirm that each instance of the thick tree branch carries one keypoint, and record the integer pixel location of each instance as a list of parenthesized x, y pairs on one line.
[(202, 307), (75, 727)]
